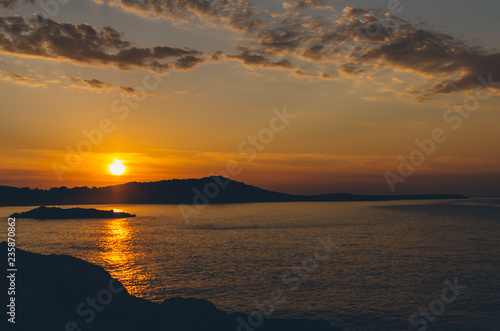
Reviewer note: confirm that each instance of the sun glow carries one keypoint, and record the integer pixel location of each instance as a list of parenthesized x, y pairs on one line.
[(117, 168)]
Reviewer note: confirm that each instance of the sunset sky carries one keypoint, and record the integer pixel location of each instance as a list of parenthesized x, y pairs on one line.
[(175, 88)]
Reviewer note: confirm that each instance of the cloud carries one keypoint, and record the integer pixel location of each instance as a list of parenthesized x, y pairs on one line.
[(11, 3), (350, 70), (240, 15), (90, 84), (27, 80), (93, 84), (188, 62), (260, 60), (352, 43), (300, 72), (359, 42), (83, 44), (305, 4), (132, 92), (97, 85), (456, 64)]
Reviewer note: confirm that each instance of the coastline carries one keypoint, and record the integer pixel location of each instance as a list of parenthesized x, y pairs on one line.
[(61, 292)]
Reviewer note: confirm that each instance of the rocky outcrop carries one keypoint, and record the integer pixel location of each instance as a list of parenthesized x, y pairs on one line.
[(44, 213), (58, 292)]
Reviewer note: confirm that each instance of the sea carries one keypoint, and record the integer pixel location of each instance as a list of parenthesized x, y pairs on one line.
[(393, 265)]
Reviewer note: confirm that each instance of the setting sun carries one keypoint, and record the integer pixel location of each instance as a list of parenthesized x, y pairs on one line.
[(117, 168), (319, 165)]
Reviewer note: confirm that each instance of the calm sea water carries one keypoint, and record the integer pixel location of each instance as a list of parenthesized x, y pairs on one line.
[(391, 258)]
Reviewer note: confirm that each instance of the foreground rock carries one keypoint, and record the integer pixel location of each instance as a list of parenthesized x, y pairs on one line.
[(58, 292), (44, 213)]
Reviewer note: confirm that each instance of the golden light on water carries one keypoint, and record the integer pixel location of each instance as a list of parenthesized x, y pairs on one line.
[(122, 257)]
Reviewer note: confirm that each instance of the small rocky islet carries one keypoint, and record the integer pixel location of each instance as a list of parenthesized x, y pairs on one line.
[(44, 213)]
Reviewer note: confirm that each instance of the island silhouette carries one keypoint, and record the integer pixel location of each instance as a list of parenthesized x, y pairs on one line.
[(208, 190), (43, 213)]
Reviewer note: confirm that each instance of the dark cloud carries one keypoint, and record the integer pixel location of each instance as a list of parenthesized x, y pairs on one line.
[(94, 84), (132, 92), (300, 72), (353, 42), (188, 62), (304, 4), (455, 64), (359, 40), (350, 69), (83, 44), (281, 40), (128, 90), (27, 80), (11, 3), (314, 52), (260, 60), (240, 15), (97, 85), (475, 69), (162, 52)]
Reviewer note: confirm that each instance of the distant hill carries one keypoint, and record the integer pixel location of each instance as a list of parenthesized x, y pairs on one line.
[(214, 189)]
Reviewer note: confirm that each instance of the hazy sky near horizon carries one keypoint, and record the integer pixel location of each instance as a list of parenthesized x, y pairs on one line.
[(175, 89)]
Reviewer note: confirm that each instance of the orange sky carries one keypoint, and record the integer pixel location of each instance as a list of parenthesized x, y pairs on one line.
[(305, 100)]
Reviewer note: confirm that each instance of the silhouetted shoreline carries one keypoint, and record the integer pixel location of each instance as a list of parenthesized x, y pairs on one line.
[(44, 213), (208, 190), (60, 292)]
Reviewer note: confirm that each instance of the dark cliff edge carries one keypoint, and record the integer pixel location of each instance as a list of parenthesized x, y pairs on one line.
[(208, 190), (59, 292)]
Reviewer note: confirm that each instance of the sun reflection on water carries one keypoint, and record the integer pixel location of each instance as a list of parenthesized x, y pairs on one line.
[(123, 257)]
